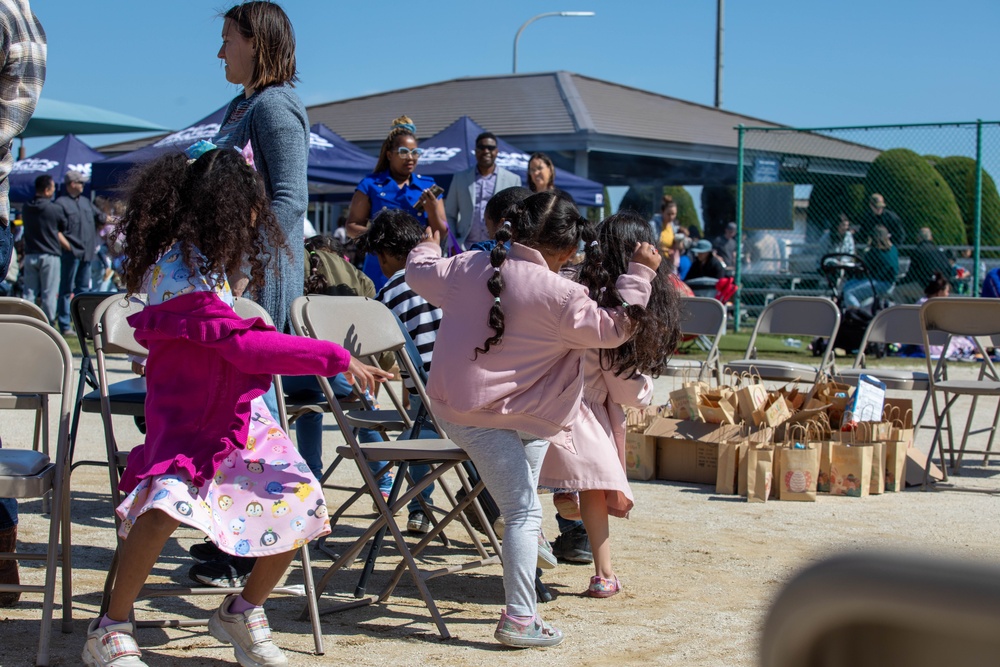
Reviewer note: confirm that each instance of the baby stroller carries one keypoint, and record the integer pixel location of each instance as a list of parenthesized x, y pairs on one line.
[(838, 269)]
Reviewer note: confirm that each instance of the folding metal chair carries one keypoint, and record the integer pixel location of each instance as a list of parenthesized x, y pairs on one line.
[(113, 334), (791, 316), (706, 318), (12, 305), (126, 397), (368, 329), (872, 609), (977, 319), (898, 325), (38, 361)]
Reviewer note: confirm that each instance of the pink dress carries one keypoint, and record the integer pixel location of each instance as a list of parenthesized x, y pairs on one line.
[(598, 433)]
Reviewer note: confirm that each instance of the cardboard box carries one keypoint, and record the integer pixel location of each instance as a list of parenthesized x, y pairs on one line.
[(688, 451), (640, 457)]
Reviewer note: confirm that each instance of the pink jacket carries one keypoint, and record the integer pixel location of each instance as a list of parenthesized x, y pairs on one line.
[(533, 380), (205, 365)]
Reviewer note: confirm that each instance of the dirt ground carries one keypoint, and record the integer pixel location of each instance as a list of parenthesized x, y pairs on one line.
[(699, 571)]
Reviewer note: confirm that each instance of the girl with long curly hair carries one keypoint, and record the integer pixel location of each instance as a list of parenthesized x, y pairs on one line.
[(214, 456), (591, 482), (516, 333)]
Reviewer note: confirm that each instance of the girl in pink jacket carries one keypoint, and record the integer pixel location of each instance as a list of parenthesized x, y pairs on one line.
[(214, 457), (595, 474), (510, 380)]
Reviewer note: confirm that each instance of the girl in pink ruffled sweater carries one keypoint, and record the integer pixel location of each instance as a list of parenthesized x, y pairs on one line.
[(214, 457)]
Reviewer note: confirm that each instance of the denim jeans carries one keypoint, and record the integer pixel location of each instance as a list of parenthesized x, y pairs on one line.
[(8, 512), (6, 248), (42, 275), (74, 279)]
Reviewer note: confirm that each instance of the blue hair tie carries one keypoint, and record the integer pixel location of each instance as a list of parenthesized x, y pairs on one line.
[(406, 126)]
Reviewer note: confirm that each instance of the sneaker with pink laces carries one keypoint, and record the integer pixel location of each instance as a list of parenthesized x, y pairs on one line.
[(249, 633), (111, 646)]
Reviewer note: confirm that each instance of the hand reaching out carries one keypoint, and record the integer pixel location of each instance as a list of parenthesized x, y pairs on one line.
[(366, 377)]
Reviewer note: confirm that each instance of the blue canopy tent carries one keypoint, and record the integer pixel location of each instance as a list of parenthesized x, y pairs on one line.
[(452, 150), (111, 173), (336, 165), (69, 153)]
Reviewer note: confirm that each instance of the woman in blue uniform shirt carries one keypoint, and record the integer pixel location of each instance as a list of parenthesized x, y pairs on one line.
[(394, 185)]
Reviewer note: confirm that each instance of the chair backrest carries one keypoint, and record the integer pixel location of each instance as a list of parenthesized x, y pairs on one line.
[(38, 360), (799, 316), (701, 316), (81, 311), (248, 309), (961, 316), (112, 332), (14, 305)]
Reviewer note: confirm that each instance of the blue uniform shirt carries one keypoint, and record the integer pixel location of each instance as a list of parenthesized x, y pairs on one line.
[(383, 192)]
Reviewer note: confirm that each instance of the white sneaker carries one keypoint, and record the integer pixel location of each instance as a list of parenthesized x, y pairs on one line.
[(111, 646), (249, 634)]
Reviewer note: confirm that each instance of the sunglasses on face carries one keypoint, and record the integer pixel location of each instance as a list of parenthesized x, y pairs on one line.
[(485, 147), (405, 152)]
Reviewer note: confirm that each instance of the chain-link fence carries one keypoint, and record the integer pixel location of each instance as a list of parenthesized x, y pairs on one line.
[(864, 214)]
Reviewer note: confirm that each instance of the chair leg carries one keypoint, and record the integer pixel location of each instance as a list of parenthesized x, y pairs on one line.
[(376, 546), (51, 567), (311, 600), (993, 432), (67, 554)]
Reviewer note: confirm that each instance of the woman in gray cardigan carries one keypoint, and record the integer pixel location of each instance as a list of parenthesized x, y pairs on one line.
[(258, 48)]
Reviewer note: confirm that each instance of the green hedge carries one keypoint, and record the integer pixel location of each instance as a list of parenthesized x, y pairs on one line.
[(960, 174), (918, 194)]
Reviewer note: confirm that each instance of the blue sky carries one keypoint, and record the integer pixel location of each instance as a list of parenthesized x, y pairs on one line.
[(809, 64)]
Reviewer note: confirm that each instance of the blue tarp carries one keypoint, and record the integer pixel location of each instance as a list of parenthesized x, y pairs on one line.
[(110, 173), (453, 150), (67, 154)]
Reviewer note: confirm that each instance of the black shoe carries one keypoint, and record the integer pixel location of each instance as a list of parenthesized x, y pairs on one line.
[(204, 551), (222, 572), (573, 546)]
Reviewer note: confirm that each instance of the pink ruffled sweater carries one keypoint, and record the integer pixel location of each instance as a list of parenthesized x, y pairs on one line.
[(206, 364)]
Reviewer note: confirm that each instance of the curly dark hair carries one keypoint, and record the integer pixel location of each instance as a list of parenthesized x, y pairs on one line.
[(216, 204), (393, 232), (544, 220), (656, 328)]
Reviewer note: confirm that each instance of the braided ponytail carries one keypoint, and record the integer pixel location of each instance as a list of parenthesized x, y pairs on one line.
[(495, 283)]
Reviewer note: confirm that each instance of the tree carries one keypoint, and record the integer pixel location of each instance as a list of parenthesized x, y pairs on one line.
[(959, 173), (830, 197), (918, 194)]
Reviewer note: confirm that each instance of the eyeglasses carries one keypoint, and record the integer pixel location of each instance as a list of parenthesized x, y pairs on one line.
[(405, 152), (485, 147)]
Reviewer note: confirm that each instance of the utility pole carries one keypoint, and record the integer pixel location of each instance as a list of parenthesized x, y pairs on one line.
[(719, 30)]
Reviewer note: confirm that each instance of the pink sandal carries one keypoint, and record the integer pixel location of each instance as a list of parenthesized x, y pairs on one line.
[(603, 588)]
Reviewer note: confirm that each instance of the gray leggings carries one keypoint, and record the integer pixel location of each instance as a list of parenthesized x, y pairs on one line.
[(509, 467)]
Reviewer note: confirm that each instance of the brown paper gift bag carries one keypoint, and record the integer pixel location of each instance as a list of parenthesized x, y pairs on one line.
[(759, 461), (877, 485), (684, 401), (775, 412), (823, 477), (799, 472), (850, 470), (750, 399), (729, 456), (895, 465), (716, 408)]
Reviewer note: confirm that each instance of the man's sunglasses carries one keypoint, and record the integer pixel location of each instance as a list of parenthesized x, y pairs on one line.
[(485, 147)]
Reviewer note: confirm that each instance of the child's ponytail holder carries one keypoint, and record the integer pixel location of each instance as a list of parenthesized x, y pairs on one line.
[(496, 300), (594, 243)]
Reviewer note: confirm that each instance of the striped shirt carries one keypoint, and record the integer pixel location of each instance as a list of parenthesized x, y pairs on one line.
[(420, 318), (22, 73)]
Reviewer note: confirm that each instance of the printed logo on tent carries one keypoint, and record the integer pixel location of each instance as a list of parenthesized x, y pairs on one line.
[(190, 135), (438, 154), (83, 168), (316, 141), (513, 161), (34, 164)]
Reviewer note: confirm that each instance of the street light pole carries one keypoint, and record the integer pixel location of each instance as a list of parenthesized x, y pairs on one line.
[(542, 16)]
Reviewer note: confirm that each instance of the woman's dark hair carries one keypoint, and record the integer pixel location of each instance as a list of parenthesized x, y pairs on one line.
[(267, 26), (667, 201), (552, 170), (393, 232), (216, 204), (542, 221), (655, 328), (401, 127), (938, 283)]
